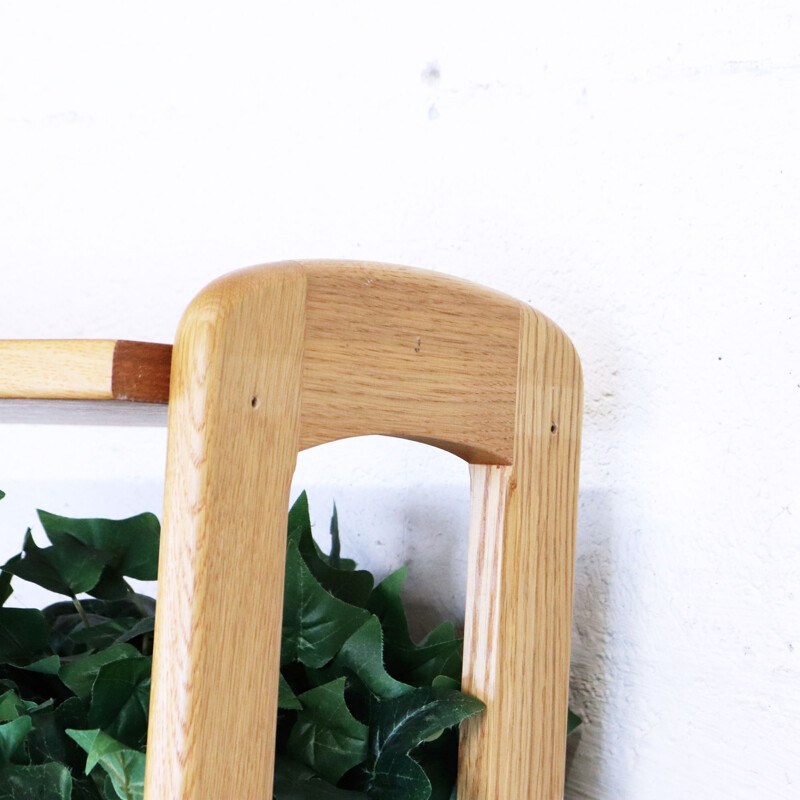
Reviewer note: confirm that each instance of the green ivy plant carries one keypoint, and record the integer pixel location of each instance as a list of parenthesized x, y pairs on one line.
[(364, 711)]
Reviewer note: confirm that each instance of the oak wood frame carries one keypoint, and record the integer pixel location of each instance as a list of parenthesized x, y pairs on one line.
[(274, 359)]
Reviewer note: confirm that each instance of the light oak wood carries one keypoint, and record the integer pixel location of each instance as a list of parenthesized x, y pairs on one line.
[(84, 381), (519, 586), (63, 370), (271, 360), (275, 359), (398, 351), (232, 447)]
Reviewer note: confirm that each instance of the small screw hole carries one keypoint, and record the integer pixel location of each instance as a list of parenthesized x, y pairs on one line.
[(254, 402), (554, 428)]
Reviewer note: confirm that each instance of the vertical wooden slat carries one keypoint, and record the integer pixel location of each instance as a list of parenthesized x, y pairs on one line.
[(233, 440), (519, 602)]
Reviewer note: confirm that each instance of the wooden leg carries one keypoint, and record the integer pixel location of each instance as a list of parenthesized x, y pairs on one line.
[(233, 440), (519, 586)]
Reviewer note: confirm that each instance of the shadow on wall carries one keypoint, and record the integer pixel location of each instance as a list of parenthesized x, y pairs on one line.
[(591, 646)]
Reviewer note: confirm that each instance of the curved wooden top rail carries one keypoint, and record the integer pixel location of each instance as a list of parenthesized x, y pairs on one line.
[(423, 356)]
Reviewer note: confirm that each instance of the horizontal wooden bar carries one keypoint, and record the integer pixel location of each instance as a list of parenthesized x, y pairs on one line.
[(84, 382)]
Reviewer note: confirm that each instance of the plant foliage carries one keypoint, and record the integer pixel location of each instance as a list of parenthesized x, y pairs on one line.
[(364, 711)]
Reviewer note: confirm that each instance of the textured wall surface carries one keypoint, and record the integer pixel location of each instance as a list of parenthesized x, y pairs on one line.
[(631, 169)]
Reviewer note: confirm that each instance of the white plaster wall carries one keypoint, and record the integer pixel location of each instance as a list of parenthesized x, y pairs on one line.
[(631, 169)]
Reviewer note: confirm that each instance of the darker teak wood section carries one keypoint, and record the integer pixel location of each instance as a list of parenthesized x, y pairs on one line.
[(140, 371)]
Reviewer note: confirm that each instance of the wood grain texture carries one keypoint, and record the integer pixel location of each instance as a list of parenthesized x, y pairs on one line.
[(84, 381), (274, 359), (77, 369), (140, 371), (335, 349), (408, 353), (233, 441), (519, 602)]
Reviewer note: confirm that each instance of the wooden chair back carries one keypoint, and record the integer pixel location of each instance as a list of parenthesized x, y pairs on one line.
[(271, 360)]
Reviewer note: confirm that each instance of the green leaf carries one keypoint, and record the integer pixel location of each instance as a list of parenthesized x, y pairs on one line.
[(445, 682), (141, 628), (286, 697), (362, 656), (35, 782), (326, 736), (573, 720), (5, 580), (12, 706), (47, 741), (79, 675), (299, 516), (103, 634), (295, 781), (68, 568), (439, 759), (24, 635), (399, 725), (120, 700), (132, 542), (336, 546), (336, 575), (124, 766), (12, 738), (416, 664), (111, 586), (49, 665), (315, 624)]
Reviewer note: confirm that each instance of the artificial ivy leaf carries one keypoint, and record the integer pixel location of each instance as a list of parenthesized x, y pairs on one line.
[(111, 586), (85, 787), (68, 568), (24, 636), (79, 675), (132, 542), (415, 664), (286, 697), (47, 741), (326, 736), (362, 656), (12, 706), (5, 580), (573, 720), (437, 655), (439, 759), (141, 628), (35, 782), (295, 781), (69, 634), (124, 766), (104, 634), (299, 516), (445, 682), (339, 578), (336, 545), (399, 725), (315, 624), (12, 738), (120, 700), (49, 665), (101, 610)]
